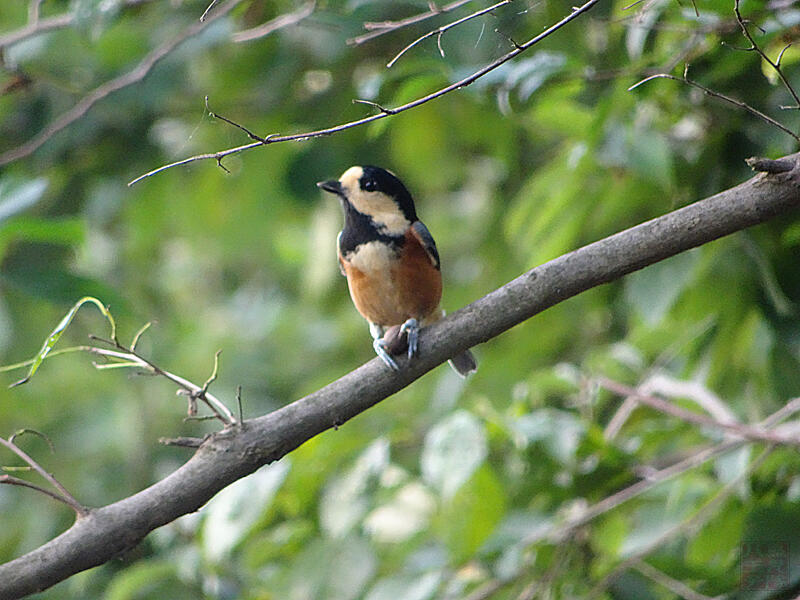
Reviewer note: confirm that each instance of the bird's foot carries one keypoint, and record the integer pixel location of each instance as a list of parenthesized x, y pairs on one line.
[(411, 329), (381, 350)]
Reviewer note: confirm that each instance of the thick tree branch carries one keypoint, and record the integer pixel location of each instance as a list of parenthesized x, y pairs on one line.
[(238, 451)]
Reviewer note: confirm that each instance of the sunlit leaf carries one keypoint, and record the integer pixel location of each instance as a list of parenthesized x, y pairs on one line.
[(453, 451), (55, 335)]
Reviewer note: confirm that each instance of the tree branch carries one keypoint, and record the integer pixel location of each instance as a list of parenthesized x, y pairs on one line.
[(135, 75), (235, 452), (274, 139), (377, 29)]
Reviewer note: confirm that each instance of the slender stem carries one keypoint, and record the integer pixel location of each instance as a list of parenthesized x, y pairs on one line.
[(382, 27), (440, 30), (65, 495), (712, 93), (9, 480), (661, 405)]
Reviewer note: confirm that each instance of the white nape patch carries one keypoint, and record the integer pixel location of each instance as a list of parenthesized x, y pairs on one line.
[(372, 257)]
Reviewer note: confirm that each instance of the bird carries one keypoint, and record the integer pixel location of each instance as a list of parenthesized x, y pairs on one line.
[(390, 261)]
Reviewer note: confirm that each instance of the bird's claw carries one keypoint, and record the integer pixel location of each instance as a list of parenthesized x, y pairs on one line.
[(380, 349), (411, 329)]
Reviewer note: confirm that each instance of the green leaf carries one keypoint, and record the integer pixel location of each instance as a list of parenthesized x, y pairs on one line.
[(477, 508), (345, 500), (17, 197), (453, 451), (231, 515), (653, 291), (68, 231), (140, 580), (55, 335)]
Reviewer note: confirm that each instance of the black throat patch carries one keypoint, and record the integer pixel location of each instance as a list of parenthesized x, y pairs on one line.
[(359, 229)]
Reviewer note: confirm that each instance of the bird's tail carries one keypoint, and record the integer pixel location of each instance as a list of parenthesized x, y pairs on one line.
[(464, 363)]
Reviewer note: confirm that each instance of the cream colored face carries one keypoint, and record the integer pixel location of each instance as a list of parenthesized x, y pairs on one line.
[(383, 210)]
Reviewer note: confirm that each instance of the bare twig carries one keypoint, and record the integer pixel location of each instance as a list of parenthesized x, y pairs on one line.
[(275, 24), (363, 121), (440, 30), (193, 391), (135, 75), (661, 405), (183, 442), (9, 480), (37, 26), (249, 133), (767, 165), (207, 10), (712, 93), (673, 585), (382, 27), (63, 495), (693, 523), (776, 65)]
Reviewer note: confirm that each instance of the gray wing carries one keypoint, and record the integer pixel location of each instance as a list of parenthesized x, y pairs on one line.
[(425, 238)]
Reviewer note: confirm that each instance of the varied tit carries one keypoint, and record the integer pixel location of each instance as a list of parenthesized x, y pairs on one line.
[(390, 261)]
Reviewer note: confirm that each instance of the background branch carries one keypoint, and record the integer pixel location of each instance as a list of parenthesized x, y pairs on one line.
[(273, 139), (135, 75), (233, 453), (379, 28)]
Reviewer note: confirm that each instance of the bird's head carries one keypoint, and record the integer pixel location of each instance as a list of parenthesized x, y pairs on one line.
[(376, 193)]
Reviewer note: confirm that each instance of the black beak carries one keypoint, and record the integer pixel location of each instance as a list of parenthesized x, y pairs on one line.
[(332, 185)]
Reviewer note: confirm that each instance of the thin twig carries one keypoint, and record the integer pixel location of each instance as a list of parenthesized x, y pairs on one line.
[(275, 24), (135, 75), (65, 496), (382, 27), (10, 480), (661, 405), (440, 30), (183, 442), (673, 585), (122, 353), (250, 134), (694, 522), (363, 121), (714, 94), (207, 10), (756, 48)]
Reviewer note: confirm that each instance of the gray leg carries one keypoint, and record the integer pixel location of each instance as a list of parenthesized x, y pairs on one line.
[(380, 346), (411, 327)]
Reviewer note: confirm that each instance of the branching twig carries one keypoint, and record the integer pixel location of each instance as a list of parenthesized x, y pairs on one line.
[(196, 392), (694, 522), (661, 405), (673, 585), (712, 93), (275, 24), (382, 27), (63, 495), (440, 30), (135, 75), (776, 65), (363, 121)]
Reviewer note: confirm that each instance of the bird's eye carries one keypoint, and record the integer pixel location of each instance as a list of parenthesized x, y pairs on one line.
[(369, 185)]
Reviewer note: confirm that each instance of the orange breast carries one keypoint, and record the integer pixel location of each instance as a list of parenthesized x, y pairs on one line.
[(388, 289)]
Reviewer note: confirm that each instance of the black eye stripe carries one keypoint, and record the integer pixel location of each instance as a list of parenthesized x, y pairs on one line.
[(369, 185)]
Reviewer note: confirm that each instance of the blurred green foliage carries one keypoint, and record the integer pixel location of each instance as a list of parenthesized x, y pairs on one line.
[(439, 490)]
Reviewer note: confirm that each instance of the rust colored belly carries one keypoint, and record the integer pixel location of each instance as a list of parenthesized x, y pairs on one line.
[(390, 293)]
